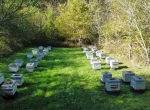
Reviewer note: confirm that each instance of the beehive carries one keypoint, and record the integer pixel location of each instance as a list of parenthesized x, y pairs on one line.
[(96, 65), (9, 88), (92, 60), (94, 49), (35, 62), (49, 48), (35, 51), (19, 78), (29, 55), (112, 84), (97, 53), (19, 62), (126, 76), (30, 67), (89, 55), (1, 78), (108, 60), (90, 46), (38, 56), (13, 67), (41, 48), (114, 64), (105, 75), (45, 51), (138, 83), (102, 55)]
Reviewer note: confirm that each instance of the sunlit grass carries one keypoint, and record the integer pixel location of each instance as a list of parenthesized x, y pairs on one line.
[(64, 80)]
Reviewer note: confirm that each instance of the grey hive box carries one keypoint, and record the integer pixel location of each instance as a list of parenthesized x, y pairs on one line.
[(112, 85), (13, 67), (45, 51), (40, 48), (126, 76), (35, 62), (9, 88), (49, 48), (30, 67), (35, 51), (19, 62), (105, 75), (19, 78), (29, 55), (138, 83), (1, 78), (38, 56)]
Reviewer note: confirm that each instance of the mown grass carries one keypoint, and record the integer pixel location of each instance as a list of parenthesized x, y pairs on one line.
[(64, 80)]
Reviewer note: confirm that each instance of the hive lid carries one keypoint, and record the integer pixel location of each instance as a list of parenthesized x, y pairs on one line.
[(138, 78), (112, 80), (128, 72), (16, 76), (1, 74), (8, 84)]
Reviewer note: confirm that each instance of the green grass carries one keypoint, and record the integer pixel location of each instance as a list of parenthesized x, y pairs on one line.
[(65, 80)]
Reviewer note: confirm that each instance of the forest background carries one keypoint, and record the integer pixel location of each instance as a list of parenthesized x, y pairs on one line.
[(118, 26)]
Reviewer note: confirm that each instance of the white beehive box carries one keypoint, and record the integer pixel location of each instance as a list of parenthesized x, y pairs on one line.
[(90, 46), (13, 67), (19, 78), (108, 60), (85, 49), (35, 51), (96, 65), (126, 76), (97, 53), (105, 75), (92, 60), (45, 51), (30, 67), (94, 49), (41, 48), (89, 55), (38, 56), (112, 84), (49, 48), (19, 62), (114, 64), (102, 55), (1, 78), (9, 88), (35, 62), (138, 83), (29, 55)]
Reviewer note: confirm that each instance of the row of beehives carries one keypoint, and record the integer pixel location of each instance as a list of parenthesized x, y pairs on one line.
[(9, 88), (137, 83), (96, 64)]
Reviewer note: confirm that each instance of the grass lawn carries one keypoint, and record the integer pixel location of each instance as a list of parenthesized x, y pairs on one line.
[(64, 80)]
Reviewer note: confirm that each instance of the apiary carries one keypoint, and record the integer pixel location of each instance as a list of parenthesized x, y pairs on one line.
[(9, 88), (92, 60), (89, 55), (138, 83), (35, 62), (108, 60), (19, 62), (102, 55), (112, 84), (105, 75), (96, 65), (29, 55), (19, 78), (38, 56), (41, 48), (126, 76), (49, 48), (30, 67), (1, 78), (13, 67), (114, 64)]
